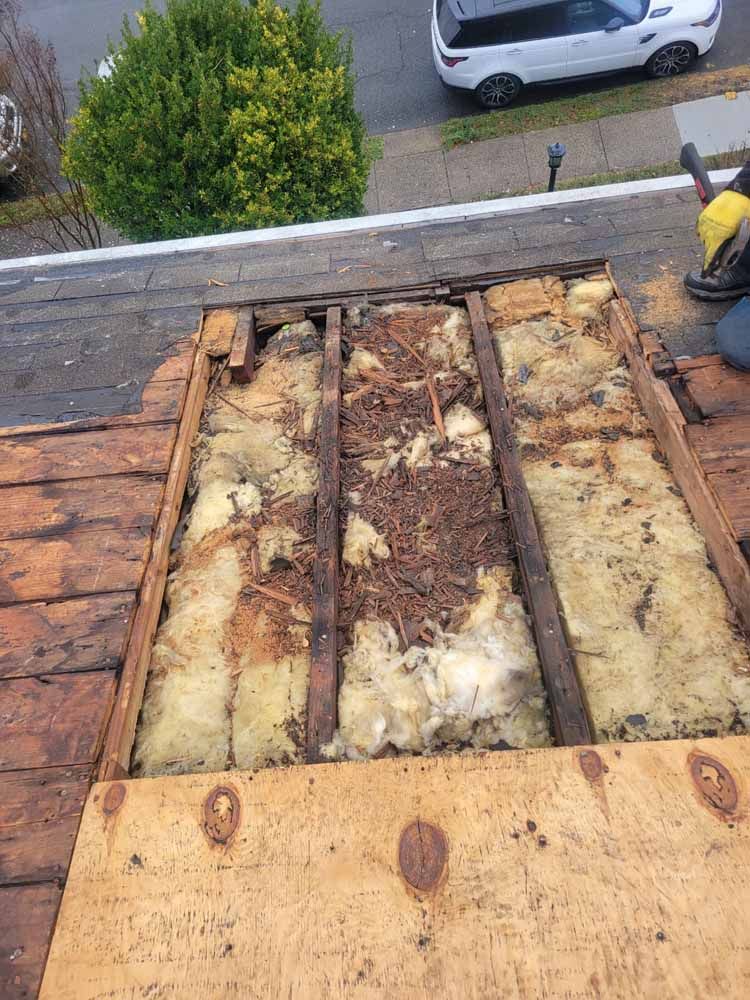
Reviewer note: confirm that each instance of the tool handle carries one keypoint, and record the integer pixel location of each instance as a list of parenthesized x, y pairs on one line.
[(691, 160)]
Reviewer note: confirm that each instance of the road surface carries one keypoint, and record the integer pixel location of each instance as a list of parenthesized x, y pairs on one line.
[(396, 83)]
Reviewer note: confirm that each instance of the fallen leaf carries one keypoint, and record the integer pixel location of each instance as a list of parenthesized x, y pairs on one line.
[(213, 281)]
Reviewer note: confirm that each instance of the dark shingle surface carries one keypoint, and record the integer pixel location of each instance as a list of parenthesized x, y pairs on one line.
[(96, 326)]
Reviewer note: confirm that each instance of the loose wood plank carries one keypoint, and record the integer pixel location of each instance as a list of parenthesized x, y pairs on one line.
[(242, 358), (673, 435), (27, 917), (121, 731), (703, 361), (39, 815), (83, 562), (84, 633), (719, 390), (35, 510), (53, 721), (570, 723), (723, 444), (218, 330), (597, 873), (34, 459), (323, 690)]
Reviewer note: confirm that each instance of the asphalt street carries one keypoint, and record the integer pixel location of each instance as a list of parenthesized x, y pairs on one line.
[(397, 87)]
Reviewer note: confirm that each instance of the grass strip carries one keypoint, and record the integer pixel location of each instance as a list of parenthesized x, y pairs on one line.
[(643, 95)]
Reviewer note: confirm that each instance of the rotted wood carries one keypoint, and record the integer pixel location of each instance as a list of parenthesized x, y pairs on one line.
[(39, 815), (54, 721), (723, 449), (570, 722), (121, 730), (82, 633), (242, 358), (323, 690)]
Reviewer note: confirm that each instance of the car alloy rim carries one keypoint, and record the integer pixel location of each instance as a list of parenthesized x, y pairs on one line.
[(672, 60), (498, 91)]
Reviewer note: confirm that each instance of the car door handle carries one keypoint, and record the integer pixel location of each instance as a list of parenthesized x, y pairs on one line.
[(515, 52), (574, 45)]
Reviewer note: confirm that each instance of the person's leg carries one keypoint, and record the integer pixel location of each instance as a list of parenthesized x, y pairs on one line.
[(733, 336)]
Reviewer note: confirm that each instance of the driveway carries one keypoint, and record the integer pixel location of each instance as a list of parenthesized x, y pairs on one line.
[(397, 87)]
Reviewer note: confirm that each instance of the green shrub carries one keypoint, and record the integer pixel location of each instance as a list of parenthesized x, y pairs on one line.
[(220, 116)]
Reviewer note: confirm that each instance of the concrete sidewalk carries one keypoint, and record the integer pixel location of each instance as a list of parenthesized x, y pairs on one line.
[(416, 172)]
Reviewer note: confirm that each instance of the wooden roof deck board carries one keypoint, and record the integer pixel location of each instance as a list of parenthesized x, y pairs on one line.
[(27, 918), (617, 872), (75, 634)]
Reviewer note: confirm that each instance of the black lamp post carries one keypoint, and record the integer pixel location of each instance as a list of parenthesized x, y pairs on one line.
[(555, 152)]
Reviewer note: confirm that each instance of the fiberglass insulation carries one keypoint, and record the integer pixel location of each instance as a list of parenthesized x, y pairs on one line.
[(656, 652), (479, 683), (227, 684)]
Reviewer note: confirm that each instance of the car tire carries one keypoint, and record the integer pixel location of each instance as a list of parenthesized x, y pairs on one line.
[(671, 60), (497, 91)]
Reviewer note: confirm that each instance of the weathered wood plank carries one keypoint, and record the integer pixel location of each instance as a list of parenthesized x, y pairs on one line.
[(121, 731), (83, 562), (719, 390), (218, 331), (79, 504), (27, 917), (34, 459), (323, 690), (82, 409), (673, 435), (242, 358), (39, 815), (703, 361), (562, 873), (732, 490), (84, 633), (570, 723), (723, 444), (53, 721)]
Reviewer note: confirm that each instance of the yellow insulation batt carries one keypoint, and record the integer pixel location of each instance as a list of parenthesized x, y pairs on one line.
[(657, 654), (228, 677), (477, 684)]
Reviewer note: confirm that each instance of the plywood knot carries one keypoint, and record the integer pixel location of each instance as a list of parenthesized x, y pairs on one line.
[(717, 788), (422, 855), (221, 814), (113, 798), (591, 764)]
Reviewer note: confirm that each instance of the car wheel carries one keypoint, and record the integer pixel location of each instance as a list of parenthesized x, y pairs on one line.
[(497, 91), (670, 60)]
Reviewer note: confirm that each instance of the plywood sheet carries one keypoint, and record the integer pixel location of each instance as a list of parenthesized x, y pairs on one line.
[(618, 873), (83, 633), (83, 562), (27, 916), (36, 458), (60, 507), (39, 814), (49, 721)]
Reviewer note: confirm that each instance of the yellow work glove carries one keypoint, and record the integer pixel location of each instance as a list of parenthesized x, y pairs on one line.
[(720, 222)]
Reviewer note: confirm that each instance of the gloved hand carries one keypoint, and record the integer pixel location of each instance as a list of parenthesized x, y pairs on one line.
[(720, 222)]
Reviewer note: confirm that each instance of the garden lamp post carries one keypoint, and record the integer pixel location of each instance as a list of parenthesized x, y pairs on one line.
[(555, 152)]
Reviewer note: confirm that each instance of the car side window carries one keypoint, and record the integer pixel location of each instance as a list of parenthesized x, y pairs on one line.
[(589, 15), (507, 29)]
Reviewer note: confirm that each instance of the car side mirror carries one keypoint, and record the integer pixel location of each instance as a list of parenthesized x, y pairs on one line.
[(615, 24)]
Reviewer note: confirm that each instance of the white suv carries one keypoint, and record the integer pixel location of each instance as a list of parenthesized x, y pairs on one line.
[(494, 47)]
